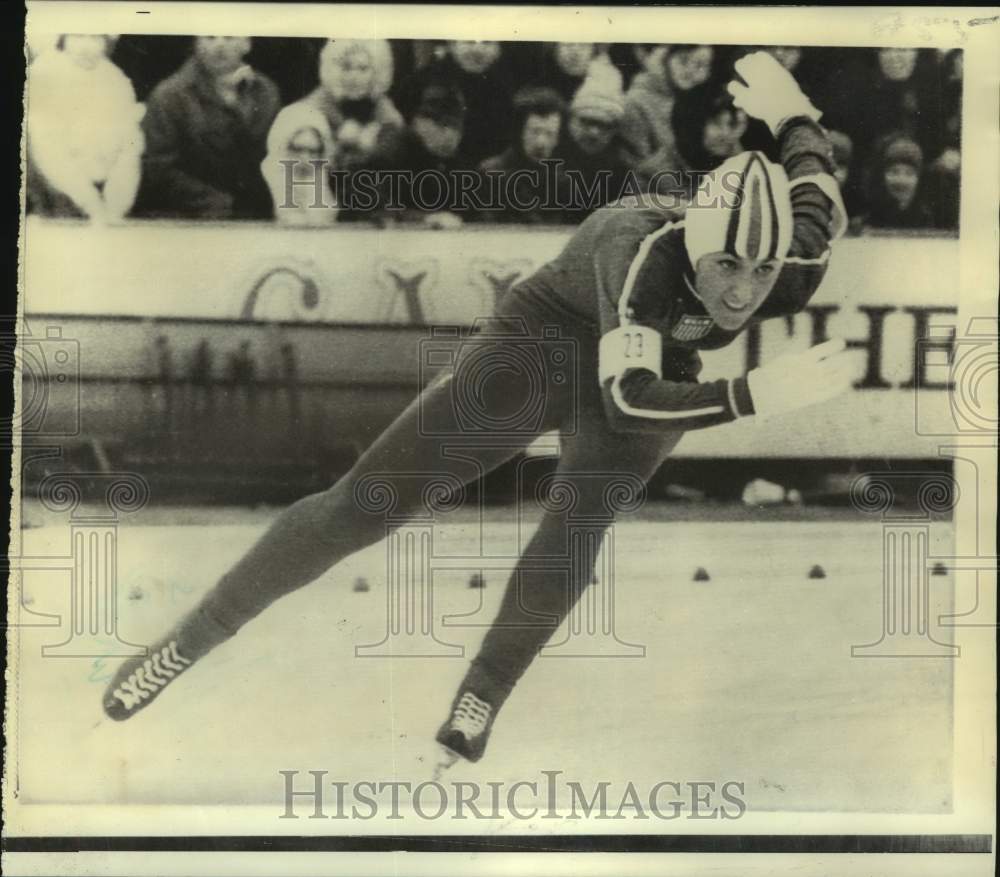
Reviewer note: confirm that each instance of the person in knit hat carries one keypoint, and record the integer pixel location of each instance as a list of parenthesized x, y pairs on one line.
[(896, 199), (591, 153), (84, 139), (596, 112), (359, 117)]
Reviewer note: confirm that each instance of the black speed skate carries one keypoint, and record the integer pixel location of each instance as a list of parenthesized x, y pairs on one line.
[(467, 730), (139, 681)]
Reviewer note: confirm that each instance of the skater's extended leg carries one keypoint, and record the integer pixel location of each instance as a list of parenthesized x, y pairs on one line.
[(318, 531)]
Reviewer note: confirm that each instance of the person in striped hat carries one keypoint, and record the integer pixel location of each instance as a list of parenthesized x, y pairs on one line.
[(600, 344)]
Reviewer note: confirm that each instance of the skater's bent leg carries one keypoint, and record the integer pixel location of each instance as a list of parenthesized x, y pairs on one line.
[(431, 443), (537, 600), (589, 466)]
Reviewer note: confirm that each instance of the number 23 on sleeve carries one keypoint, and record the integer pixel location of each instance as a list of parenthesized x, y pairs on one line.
[(629, 347)]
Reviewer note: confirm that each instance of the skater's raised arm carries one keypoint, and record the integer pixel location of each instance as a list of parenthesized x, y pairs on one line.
[(819, 216), (771, 94)]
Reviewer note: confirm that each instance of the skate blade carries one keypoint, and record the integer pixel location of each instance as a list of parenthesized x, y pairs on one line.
[(445, 759)]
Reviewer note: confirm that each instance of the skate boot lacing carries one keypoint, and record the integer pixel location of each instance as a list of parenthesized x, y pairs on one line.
[(154, 674), (470, 716)]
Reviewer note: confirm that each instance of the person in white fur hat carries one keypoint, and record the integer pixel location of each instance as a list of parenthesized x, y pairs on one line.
[(84, 139), (354, 80)]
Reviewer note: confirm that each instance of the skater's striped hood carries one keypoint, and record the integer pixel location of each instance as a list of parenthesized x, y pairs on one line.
[(744, 209)]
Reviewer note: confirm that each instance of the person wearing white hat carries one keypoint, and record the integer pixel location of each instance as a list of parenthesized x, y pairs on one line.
[(354, 80), (609, 334)]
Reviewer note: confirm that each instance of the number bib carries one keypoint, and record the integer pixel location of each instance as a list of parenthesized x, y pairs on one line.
[(629, 347)]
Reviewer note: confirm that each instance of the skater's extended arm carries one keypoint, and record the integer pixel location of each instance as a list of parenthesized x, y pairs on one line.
[(639, 398), (638, 395), (648, 386)]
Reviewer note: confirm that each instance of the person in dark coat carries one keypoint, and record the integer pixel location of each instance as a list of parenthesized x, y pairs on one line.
[(418, 169), (474, 69), (850, 186), (516, 180), (206, 134), (943, 178), (707, 129), (882, 92)]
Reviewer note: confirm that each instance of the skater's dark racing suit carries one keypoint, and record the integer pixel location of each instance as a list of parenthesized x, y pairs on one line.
[(623, 292)]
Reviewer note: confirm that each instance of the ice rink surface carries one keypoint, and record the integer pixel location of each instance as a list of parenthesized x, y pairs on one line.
[(746, 677)]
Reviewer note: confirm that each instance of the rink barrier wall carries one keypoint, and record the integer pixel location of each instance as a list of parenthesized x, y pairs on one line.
[(173, 338)]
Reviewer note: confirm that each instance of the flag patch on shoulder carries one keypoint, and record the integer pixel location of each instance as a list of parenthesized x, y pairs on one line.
[(689, 328)]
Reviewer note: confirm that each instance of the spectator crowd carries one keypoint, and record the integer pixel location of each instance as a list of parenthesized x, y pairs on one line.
[(310, 132)]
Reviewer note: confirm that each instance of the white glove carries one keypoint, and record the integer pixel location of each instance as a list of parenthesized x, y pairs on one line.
[(771, 93), (799, 379)]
